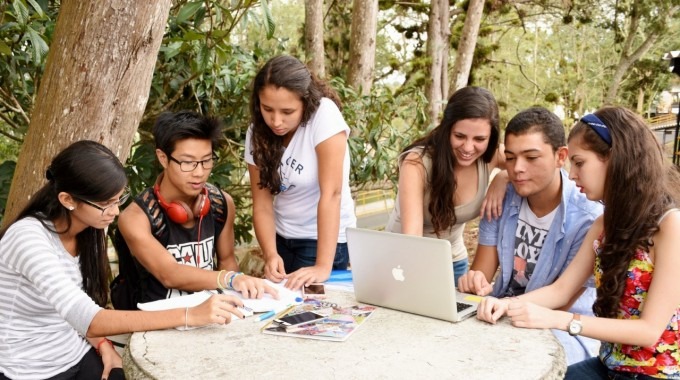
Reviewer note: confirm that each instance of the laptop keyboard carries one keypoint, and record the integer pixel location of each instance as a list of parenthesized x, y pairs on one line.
[(462, 306)]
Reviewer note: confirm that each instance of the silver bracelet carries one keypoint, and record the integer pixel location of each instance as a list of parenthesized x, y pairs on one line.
[(186, 317)]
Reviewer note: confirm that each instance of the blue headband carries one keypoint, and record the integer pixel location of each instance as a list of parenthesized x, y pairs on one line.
[(599, 127)]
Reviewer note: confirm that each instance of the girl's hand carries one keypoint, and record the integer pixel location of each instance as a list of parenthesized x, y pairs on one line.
[(252, 287), (110, 358), (274, 270), (530, 315), (492, 206), (216, 309), (491, 309), (306, 276)]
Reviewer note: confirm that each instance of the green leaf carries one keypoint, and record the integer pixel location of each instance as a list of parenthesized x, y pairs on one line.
[(172, 49), (21, 12), (269, 24), (191, 35), (188, 10), (37, 8), (5, 49), (40, 47)]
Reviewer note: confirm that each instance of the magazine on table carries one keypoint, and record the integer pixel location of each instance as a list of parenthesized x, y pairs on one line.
[(337, 324)]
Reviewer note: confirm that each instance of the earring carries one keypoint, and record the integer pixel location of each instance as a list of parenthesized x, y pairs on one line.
[(71, 208)]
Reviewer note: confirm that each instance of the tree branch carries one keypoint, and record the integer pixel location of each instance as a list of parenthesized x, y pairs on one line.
[(4, 95)]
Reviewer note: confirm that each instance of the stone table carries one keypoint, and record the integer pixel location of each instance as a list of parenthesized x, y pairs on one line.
[(389, 345)]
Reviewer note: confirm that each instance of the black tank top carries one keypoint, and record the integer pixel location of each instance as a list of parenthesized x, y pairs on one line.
[(193, 246)]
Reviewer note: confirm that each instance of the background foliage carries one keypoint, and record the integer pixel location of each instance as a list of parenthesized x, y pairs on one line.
[(550, 53)]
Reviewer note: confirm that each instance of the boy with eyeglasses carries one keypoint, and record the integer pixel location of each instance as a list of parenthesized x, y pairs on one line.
[(177, 228)]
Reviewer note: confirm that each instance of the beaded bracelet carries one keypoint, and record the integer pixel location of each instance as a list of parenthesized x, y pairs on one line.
[(231, 280), (219, 284), (100, 344)]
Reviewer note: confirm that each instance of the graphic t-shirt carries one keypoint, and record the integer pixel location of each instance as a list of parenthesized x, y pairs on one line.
[(530, 235), (296, 206)]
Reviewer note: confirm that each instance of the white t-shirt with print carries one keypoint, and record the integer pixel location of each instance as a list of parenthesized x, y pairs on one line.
[(530, 235), (295, 208)]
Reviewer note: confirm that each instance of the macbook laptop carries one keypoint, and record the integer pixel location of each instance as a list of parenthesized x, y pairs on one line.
[(407, 273)]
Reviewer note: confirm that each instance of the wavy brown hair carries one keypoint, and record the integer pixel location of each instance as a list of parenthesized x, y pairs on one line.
[(466, 103), (639, 187), (267, 148)]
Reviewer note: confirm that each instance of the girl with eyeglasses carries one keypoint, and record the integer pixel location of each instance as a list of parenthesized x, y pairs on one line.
[(54, 274), (632, 250)]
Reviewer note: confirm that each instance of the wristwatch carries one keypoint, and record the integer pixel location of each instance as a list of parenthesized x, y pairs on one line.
[(575, 325)]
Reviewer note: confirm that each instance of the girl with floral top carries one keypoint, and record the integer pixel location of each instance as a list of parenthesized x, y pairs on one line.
[(633, 248)]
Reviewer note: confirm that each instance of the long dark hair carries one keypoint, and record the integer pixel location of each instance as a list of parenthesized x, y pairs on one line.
[(466, 103), (86, 170), (639, 187), (267, 148)]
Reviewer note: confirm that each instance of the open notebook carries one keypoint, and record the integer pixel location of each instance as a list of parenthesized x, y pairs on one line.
[(267, 303)]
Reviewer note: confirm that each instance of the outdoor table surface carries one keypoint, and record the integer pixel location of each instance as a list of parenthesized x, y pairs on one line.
[(389, 345)]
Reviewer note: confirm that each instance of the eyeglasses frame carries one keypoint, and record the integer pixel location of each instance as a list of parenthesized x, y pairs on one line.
[(195, 163), (121, 201)]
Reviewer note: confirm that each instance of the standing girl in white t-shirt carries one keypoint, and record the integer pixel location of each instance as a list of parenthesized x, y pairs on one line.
[(298, 160)]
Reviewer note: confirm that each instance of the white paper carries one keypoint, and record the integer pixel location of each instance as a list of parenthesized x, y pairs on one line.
[(287, 297), (264, 304)]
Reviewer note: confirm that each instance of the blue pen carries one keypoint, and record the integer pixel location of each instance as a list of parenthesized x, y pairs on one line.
[(272, 313), (264, 316)]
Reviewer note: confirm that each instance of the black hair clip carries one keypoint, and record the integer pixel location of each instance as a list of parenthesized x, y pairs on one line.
[(49, 175)]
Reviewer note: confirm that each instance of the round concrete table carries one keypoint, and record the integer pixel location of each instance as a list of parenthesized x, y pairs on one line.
[(389, 345)]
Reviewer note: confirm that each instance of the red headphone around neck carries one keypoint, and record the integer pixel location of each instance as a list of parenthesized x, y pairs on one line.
[(180, 212)]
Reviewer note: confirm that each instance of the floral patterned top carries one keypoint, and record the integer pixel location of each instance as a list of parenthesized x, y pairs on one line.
[(660, 360)]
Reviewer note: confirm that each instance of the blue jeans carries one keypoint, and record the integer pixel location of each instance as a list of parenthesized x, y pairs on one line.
[(300, 253), (593, 368), (460, 267)]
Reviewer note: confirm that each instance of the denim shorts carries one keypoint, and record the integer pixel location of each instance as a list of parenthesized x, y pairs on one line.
[(300, 253), (460, 267)]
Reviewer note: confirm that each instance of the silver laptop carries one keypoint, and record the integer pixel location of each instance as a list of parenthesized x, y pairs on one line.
[(407, 273)]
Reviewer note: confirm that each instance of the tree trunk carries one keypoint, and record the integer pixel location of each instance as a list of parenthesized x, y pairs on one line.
[(634, 32), (95, 86), (314, 37), (640, 101), (438, 50), (362, 44), (468, 42), (625, 62)]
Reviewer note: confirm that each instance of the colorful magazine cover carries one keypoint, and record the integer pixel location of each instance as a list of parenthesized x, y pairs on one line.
[(338, 326)]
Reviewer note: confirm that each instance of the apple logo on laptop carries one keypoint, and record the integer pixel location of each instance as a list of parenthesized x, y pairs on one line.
[(398, 273)]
